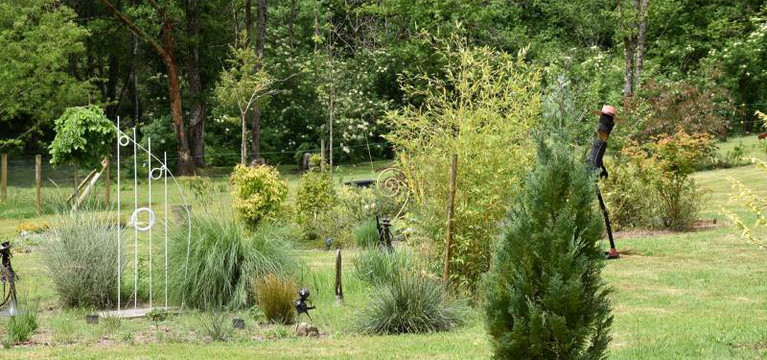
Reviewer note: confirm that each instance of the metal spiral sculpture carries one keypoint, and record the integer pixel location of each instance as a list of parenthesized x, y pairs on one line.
[(391, 182)]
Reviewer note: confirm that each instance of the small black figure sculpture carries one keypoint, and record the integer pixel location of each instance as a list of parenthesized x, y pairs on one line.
[(301, 304), (384, 232)]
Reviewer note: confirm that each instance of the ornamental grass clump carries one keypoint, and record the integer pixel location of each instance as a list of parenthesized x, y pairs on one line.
[(81, 261), (224, 259), (377, 266), (275, 296), (20, 327), (545, 298), (410, 304)]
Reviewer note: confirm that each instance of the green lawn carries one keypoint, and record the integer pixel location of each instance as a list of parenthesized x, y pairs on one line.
[(694, 295)]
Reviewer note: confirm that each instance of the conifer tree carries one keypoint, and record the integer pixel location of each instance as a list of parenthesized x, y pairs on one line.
[(545, 295)]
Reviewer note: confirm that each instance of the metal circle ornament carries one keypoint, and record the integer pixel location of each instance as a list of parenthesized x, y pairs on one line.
[(159, 171), (134, 219), (124, 140)]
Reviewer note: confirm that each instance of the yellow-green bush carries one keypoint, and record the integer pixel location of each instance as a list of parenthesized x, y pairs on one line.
[(258, 193)]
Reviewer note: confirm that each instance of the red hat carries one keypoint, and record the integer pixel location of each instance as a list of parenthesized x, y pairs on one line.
[(607, 110)]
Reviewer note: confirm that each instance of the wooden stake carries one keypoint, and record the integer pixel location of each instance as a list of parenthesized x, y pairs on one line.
[(107, 183), (339, 287), (450, 210), (38, 183), (322, 154), (4, 177)]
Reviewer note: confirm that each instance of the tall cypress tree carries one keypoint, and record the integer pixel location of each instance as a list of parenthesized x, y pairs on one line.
[(545, 295)]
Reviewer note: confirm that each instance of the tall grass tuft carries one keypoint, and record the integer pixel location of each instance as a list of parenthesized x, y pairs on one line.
[(224, 259), (215, 324), (81, 261), (366, 234), (412, 304), (19, 328), (376, 266), (275, 298)]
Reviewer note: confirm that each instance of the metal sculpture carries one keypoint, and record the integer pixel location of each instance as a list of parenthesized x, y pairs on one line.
[(154, 173), (302, 304), (384, 233), (8, 278), (606, 123), (391, 182)]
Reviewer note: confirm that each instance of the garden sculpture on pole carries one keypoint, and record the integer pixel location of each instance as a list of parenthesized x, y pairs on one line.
[(606, 123)]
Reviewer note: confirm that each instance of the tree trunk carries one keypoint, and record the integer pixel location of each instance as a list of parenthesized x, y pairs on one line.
[(197, 111), (244, 142), (134, 65), (640, 49), (248, 22), (260, 34), (185, 163), (628, 87)]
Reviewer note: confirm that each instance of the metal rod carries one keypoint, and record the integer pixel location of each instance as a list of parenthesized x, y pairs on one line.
[(165, 216), (135, 229), (117, 223), (149, 179)]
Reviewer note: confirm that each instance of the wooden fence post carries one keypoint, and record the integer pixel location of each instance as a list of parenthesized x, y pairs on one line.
[(339, 288), (4, 177), (107, 183), (38, 183), (450, 209)]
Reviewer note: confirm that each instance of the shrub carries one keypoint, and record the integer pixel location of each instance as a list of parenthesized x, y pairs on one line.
[(666, 166), (632, 202), (315, 195), (481, 107), (377, 266), (412, 304), (84, 136), (258, 193), (81, 261), (224, 259), (275, 298), (545, 298), (19, 328), (683, 107), (366, 234)]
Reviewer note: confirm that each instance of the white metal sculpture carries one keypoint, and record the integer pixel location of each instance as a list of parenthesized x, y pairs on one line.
[(158, 173)]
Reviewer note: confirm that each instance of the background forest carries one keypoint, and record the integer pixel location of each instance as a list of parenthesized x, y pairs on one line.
[(180, 71)]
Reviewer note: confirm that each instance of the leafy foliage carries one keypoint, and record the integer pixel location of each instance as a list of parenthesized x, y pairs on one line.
[(258, 193), (81, 261), (275, 298), (84, 136), (481, 109), (412, 304), (223, 261), (315, 194), (545, 298)]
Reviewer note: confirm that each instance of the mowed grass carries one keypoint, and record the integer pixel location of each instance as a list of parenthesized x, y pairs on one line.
[(693, 295)]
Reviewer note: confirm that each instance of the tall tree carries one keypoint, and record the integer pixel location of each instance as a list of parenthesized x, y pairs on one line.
[(197, 111), (167, 52)]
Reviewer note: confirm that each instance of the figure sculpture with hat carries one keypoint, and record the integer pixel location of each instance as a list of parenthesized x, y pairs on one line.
[(607, 120)]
